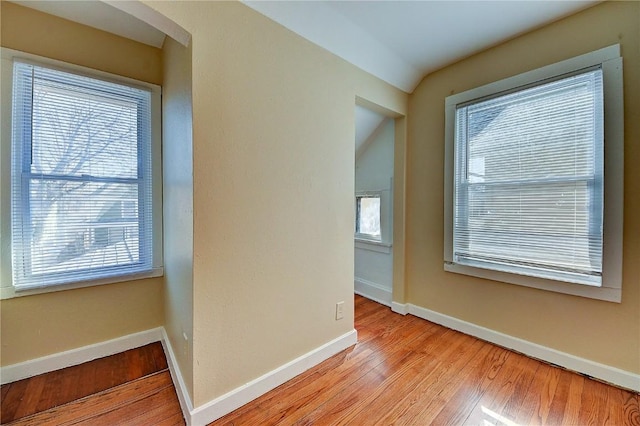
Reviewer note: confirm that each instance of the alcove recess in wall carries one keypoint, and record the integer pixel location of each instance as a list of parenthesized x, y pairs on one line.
[(374, 168)]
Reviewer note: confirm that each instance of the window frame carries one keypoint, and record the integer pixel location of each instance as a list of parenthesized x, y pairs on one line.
[(364, 236), (610, 61), (7, 289)]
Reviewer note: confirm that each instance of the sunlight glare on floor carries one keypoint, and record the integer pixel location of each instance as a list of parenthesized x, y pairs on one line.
[(497, 417)]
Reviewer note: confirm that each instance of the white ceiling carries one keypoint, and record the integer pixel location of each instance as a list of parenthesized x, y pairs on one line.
[(402, 41)]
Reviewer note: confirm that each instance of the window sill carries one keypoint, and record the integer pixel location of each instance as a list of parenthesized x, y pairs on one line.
[(373, 245), (609, 294), (11, 292)]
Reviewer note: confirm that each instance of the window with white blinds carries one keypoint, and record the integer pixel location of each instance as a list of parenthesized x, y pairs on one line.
[(529, 180), (527, 185), (82, 190)]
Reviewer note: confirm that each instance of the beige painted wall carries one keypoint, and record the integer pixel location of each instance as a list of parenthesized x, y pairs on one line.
[(608, 333), (177, 152), (39, 325), (46, 35), (36, 326), (273, 131)]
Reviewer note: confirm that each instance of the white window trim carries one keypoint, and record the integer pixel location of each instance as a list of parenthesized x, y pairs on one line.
[(609, 58), (367, 237), (7, 290), (373, 245)]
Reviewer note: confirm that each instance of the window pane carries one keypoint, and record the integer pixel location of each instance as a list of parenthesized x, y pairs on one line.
[(369, 216), (543, 132), (78, 132), (80, 225), (544, 225)]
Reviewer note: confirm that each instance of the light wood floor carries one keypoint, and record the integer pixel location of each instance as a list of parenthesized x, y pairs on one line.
[(403, 371)]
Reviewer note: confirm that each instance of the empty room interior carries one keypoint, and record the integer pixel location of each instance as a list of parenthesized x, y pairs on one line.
[(264, 190)]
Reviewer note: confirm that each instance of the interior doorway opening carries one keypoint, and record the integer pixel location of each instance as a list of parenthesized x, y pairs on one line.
[(373, 203)]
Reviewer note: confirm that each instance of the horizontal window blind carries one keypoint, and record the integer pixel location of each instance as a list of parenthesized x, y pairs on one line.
[(81, 178), (529, 180)]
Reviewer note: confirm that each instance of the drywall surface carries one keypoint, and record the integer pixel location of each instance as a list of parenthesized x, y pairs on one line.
[(39, 325), (273, 131), (177, 199), (604, 332), (45, 324), (46, 35)]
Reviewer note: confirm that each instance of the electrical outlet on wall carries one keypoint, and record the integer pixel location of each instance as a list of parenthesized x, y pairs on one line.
[(339, 310)]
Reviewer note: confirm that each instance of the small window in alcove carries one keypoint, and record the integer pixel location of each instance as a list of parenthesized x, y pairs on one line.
[(368, 216)]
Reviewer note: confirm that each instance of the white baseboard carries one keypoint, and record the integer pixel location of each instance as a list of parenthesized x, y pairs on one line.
[(596, 370), (181, 388), (373, 291), (228, 402), (45, 364), (399, 308)]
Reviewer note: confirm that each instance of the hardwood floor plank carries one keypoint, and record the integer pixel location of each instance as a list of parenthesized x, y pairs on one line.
[(159, 412), (431, 395), (363, 308), (440, 351), (13, 393), (632, 410), (45, 391), (31, 397), (98, 404), (411, 381), (497, 394), (560, 398), (84, 380), (593, 403), (574, 400), (329, 411), (3, 391), (133, 413), (377, 324), (615, 398), (411, 364), (176, 419), (512, 403), (457, 409), (540, 396), (51, 392), (618, 398), (157, 357)]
